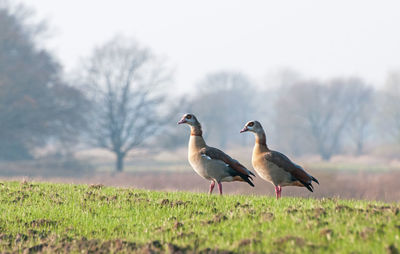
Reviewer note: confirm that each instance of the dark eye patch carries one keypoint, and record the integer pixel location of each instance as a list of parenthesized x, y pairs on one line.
[(188, 116), (251, 124)]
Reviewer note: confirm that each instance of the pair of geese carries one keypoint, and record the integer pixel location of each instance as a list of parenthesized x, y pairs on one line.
[(216, 166)]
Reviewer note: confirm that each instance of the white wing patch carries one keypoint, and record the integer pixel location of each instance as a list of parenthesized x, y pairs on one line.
[(206, 156), (209, 158)]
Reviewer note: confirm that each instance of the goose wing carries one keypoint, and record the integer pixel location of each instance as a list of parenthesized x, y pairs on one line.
[(216, 154), (295, 170)]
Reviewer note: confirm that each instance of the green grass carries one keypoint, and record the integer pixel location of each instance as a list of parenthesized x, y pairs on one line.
[(72, 218)]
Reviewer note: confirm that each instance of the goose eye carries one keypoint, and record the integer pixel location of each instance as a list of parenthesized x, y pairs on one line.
[(188, 116), (251, 124)]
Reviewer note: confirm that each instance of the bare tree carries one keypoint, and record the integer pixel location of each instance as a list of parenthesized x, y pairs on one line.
[(294, 105), (125, 84), (275, 85), (171, 138), (315, 116), (224, 99), (362, 104), (389, 112), (36, 105)]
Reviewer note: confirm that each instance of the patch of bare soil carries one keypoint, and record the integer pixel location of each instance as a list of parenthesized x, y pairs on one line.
[(391, 249), (216, 219), (42, 222), (327, 232), (289, 238), (21, 243), (247, 242), (167, 202)]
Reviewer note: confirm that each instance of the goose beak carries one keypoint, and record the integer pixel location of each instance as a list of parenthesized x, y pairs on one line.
[(244, 129), (183, 120)]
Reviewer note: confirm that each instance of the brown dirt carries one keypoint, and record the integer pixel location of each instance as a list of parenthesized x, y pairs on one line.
[(326, 232), (392, 249), (297, 240)]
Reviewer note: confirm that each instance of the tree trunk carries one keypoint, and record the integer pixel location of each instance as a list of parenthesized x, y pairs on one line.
[(326, 155), (323, 151), (120, 161), (360, 148)]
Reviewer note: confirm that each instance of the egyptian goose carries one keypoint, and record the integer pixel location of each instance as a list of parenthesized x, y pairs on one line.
[(274, 166), (211, 163)]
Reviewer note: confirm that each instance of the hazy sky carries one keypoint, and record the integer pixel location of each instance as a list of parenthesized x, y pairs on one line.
[(315, 37)]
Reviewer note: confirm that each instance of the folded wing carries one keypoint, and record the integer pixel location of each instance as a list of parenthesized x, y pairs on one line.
[(216, 154), (295, 170)]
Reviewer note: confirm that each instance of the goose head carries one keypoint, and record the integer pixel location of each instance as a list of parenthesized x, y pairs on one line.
[(189, 119), (252, 126)]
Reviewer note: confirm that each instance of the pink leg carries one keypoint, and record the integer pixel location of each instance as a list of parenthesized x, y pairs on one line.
[(220, 188), (278, 190), (212, 187)]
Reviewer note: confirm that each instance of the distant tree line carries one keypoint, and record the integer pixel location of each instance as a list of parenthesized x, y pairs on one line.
[(337, 116), (120, 102), (36, 104)]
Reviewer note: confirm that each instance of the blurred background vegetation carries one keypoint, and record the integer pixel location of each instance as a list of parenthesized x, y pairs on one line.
[(117, 111)]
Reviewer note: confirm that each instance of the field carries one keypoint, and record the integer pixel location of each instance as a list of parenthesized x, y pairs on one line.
[(363, 177), (382, 186), (42, 217)]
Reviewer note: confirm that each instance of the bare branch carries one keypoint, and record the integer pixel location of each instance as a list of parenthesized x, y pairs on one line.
[(125, 81)]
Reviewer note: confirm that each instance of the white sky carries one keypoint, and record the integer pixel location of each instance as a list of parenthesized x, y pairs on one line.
[(318, 38)]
